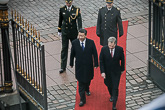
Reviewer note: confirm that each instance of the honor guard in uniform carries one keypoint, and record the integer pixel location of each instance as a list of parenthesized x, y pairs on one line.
[(69, 17), (108, 22)]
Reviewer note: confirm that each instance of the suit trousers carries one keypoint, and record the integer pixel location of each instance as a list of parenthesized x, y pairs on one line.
[(113, 93), (113, 89), (82, 88), (115, 96), (64, 51)]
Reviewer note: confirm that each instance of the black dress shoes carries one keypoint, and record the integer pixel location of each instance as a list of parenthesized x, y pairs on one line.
[(81, 103), (111, 99), (62, 70), (88, 93), (114, 108)]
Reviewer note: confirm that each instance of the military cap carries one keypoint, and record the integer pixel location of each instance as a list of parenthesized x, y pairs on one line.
[(109, 1), (68, 1)]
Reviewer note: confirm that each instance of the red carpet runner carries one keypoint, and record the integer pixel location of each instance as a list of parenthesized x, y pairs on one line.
[(99, 98)]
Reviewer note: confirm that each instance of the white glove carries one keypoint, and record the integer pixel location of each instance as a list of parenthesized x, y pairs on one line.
[(60, 34)]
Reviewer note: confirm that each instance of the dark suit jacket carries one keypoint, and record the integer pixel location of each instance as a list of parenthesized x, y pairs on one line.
[(111, 66), (67, 21), (108, 23), (84, 67)]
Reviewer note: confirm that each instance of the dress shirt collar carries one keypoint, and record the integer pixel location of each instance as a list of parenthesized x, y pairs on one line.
[(113, 51), (83, 42), (69, 7), (109, 8)]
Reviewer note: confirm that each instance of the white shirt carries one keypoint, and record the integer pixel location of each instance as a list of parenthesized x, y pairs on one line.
[(109, 8), (69, 8), (113, 51), (83, 43)]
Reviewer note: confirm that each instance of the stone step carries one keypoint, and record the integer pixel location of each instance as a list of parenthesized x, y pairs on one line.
[(10, 101)]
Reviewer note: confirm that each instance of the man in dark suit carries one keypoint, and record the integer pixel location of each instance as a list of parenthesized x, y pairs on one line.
[(108, 22), (69, 17), (85, 53), (110, 67)]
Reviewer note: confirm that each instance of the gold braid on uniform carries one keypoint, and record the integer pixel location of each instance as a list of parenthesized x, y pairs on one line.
[(75, 16), (118, 8)]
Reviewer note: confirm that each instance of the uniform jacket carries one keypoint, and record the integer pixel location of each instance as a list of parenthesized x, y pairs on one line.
[(108, 22), (84, 60), (111, 66), (67, 21)]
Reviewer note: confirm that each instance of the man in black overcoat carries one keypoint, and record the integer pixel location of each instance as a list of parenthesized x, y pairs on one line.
[(112, 65), (108, 22), (86, 58), (69, 23)]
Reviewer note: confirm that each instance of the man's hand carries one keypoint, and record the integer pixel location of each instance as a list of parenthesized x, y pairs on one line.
[(60, 34), (103, 75), (95, 67)]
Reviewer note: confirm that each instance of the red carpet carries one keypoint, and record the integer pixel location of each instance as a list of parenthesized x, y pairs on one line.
[(99, 98)]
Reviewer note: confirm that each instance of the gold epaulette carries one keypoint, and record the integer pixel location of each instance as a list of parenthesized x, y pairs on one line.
[(76, 7), (118, 8), (63, 6)]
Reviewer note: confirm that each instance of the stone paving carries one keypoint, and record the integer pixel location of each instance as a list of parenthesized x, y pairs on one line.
[(139, 89), (43, 14)]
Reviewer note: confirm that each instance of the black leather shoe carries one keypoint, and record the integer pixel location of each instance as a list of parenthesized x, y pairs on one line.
[(81, 103), (114, 108), (61, 71), (88, 93), (111, 99)]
